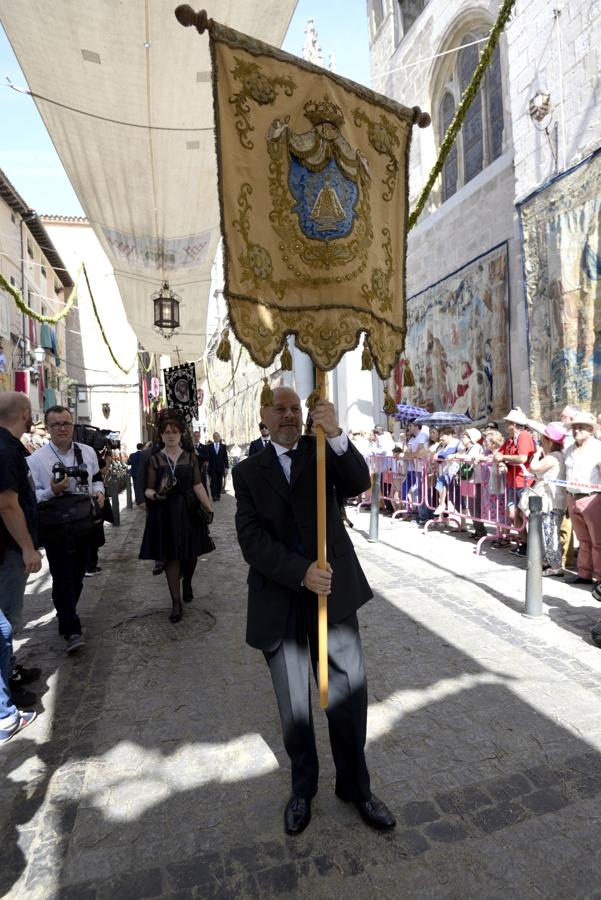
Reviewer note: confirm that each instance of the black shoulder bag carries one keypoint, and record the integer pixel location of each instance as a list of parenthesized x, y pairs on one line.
[(67, 515)]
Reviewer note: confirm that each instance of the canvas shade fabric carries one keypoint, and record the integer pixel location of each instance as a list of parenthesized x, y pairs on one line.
[(313, 193), (125, 94)]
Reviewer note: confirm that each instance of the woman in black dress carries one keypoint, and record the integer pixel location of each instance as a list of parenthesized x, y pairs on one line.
[(175, 532)]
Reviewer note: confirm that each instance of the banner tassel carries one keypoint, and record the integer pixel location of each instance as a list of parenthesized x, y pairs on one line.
[(266, 393), (389, 404), (286, 359), (367, 362), (408, 377), (224, 350)]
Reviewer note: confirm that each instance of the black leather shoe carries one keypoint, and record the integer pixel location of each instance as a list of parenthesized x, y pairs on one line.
[(375, 813), (297, 814), (578, 579)]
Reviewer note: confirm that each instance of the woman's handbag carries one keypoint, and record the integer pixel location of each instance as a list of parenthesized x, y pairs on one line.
[(66, 516), (537, 490), (196, 507)]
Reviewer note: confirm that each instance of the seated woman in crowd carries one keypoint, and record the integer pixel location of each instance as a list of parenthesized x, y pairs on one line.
[(176, 530)]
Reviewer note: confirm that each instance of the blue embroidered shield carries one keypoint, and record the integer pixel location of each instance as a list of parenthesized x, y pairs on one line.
[(325, 200)]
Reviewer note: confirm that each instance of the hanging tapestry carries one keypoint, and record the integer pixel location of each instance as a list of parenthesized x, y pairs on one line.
[(561, 227), (313, 194), (180, 390), (457, 340)]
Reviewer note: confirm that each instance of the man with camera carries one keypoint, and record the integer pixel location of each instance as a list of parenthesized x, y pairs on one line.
[(66, 469)]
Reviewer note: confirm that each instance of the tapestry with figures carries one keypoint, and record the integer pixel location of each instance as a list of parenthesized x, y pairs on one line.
[(457, 340), (561, 227), (313, 194)]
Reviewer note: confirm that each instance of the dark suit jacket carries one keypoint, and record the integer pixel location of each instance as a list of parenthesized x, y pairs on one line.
[(140, 479), (255, 447), (218, 462), (202, 452), (271, 516)]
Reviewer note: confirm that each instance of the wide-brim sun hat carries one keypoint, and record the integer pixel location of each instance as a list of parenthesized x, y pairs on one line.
[(474, 435), (584, 418), (554, 432), (517, 416), (535, 425)]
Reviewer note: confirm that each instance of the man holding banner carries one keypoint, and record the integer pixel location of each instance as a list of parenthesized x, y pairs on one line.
[(314, 204), (276, 511)]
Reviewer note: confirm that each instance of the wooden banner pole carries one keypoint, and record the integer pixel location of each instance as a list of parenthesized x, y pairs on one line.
[(322, 599)]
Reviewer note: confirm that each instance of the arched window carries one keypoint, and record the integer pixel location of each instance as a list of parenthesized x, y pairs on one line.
[(410, 10), (449, 172), (480, 140)]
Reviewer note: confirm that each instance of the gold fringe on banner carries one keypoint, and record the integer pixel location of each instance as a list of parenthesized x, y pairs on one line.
[(286, 359), (224, 350), (367, 362), (312, 399), (389, 404), (266, 393), (408, 377)]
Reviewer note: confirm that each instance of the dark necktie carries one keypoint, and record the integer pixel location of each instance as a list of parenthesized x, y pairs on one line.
[(296, 540)]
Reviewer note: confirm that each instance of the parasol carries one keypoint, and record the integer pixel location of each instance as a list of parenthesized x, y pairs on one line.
[(406, 413), (438, 419)]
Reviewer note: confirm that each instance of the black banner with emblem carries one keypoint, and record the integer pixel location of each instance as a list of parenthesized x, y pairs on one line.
[(181, 391)]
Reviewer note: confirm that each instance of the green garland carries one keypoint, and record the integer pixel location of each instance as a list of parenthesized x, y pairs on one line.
[(466, 101), (105, 339), (28, 311), (54, 320)]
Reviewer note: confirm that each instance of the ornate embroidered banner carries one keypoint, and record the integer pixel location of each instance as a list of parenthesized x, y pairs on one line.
[(562, 254), (180, 390), (313, 193), (457, 340)]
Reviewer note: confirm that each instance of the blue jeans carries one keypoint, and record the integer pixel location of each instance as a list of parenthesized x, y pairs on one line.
[(13, 579), (8, 710)]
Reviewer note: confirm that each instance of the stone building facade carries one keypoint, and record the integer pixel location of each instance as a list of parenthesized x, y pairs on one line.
[(537, 117), (30, 262)]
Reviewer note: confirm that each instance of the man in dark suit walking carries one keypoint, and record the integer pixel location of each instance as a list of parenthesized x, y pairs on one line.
[(202, 452), (276, 524), (261, 442), (218, 465)]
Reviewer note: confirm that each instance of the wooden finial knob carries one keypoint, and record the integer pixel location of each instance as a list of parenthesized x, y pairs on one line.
[(421, 119), (186, 16)]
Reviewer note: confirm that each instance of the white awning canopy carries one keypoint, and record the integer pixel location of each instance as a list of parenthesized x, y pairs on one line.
[(125, 94)]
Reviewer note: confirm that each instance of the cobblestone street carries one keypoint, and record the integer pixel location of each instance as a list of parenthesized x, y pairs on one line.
[(156, 766)]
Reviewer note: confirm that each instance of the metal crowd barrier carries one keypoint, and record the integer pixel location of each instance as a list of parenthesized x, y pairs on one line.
[(477, 492)]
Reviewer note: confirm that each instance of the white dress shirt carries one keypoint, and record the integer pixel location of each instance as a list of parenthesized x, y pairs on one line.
[(339, 445), (583, 466), (40, 464)]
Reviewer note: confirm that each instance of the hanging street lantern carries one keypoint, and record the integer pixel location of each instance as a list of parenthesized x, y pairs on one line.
[(166, 310)]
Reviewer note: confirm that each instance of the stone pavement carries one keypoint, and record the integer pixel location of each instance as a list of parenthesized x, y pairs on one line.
[(156, 769)]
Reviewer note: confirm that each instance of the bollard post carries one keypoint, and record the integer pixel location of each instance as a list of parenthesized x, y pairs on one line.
[(115, 502), (374, 512), (534, 572), (130, 504)]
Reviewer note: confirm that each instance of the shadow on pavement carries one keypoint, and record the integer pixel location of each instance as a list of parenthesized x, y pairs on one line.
[(164, 773)]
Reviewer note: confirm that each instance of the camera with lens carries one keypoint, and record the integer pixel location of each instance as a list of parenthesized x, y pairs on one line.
[(59, 471)]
